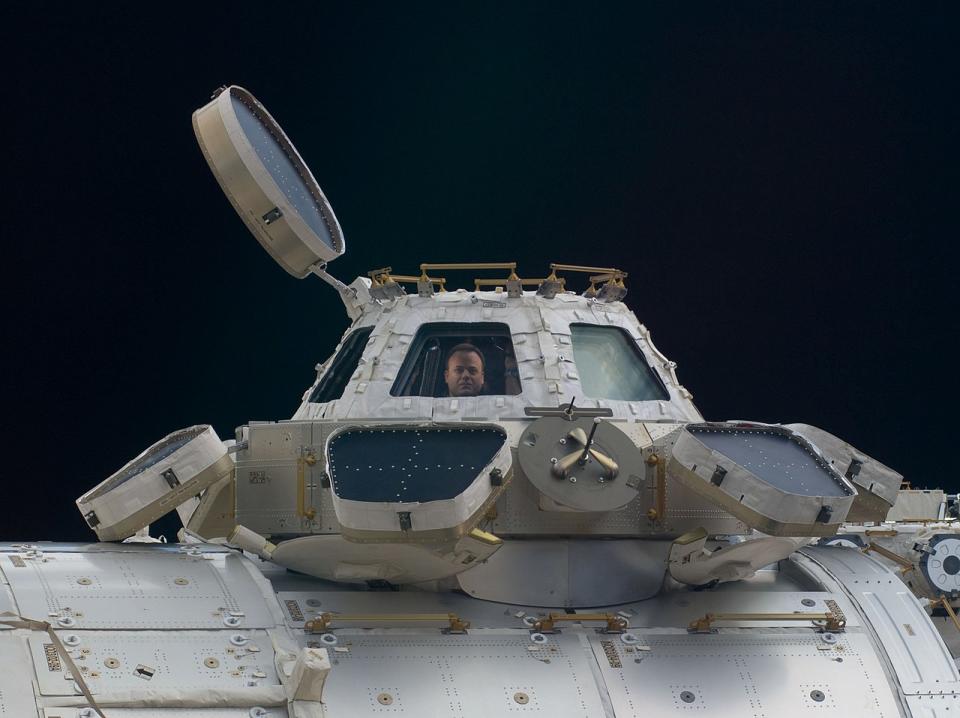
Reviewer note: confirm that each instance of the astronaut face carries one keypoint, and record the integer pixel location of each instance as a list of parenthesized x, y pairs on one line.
[(464, 374)]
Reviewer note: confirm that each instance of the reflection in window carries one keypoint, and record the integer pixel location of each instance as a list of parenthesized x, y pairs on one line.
[(459, 359), (611, 365), (335, 379)]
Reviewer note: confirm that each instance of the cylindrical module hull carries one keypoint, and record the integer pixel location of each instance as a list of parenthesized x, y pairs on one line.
[(166, 630)]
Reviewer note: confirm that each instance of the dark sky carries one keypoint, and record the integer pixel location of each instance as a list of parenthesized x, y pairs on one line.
[(779, 179)]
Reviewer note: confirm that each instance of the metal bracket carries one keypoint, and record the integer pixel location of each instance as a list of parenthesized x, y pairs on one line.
[(719, 474), (514, 286), (170, 476), (272, 216), (562, 467), (904, 563), (854, 469), (658, 511), (567, 411), (612, 291), (320, 270), (943, 601), (306, 458)]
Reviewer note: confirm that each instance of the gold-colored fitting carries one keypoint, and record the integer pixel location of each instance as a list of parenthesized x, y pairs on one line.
[(615, 623)]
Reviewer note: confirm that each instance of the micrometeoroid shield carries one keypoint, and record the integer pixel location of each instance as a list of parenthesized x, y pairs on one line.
[(412, 483), (768, 476), (167, 474), (267, 181)]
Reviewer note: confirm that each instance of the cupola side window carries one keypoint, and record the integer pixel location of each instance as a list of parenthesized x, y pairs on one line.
[(611, 365)]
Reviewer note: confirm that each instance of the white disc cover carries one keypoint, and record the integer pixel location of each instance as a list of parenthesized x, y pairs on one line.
[(267, 181)]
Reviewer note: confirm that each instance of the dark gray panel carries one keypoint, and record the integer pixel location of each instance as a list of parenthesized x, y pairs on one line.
[(775, 457), (414, 464)]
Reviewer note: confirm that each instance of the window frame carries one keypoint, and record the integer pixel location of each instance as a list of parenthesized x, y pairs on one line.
[(429, 330), (348, 350)]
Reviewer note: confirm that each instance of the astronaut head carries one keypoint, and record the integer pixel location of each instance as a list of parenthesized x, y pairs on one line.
[(464, 370)]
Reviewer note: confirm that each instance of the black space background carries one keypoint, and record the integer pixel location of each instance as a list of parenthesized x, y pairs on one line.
[(780, 180)]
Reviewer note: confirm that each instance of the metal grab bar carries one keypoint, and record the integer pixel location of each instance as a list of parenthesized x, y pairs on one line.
[(323, 622), (615, 624), (831, 621)]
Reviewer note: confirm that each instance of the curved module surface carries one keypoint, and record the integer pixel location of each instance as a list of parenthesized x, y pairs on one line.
[(167, 630)]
